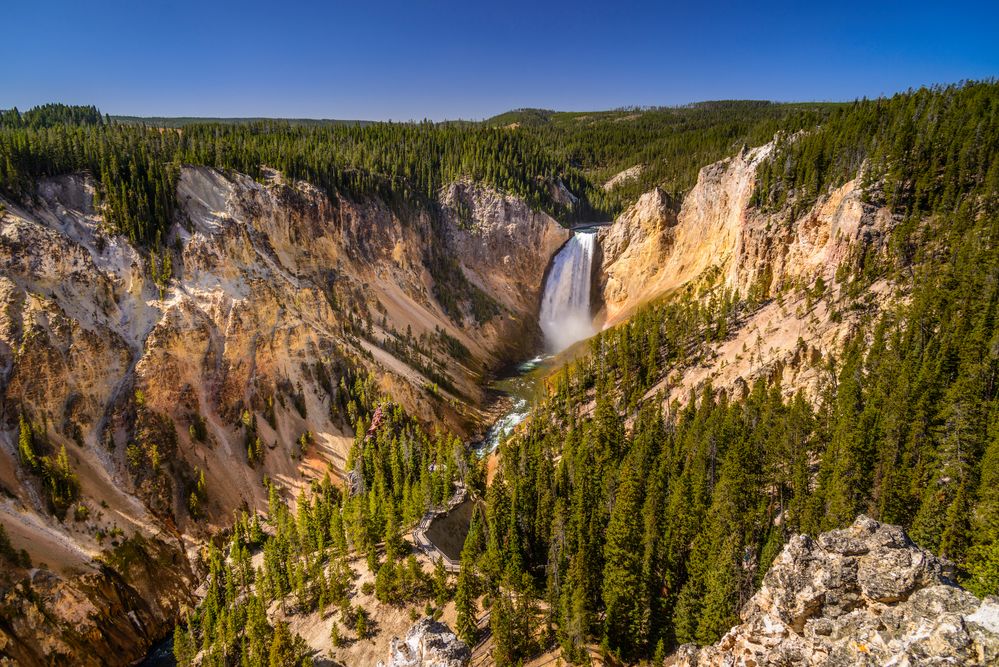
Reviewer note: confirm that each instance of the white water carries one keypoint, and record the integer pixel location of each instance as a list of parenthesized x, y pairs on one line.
[(521, 394), (565, 319), (565, 305)]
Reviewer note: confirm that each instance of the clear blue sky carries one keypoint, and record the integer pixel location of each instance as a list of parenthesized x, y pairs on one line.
[(473, 59)]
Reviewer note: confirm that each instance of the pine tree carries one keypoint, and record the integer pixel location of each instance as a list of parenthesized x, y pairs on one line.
[(183, 647), (256, 533), (282, 651), (336, 638), (983, 561), (337, 534), (659, 657), (441, 588), (258, 630), (393, 537), (464, 605), (625, 619), (361, 624), (842, 477), (504, 632), (25, 446)]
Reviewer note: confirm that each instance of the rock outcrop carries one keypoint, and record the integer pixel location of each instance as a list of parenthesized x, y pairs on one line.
[(265, 305), (667, 249), (865, 595), (631, 252), (622, 177), (504, 247), (429, 643), (716, 242)]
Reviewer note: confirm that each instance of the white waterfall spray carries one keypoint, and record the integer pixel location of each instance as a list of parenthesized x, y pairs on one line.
[(565, 306)]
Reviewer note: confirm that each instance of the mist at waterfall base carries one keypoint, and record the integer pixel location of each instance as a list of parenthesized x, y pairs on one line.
[(565, 316)]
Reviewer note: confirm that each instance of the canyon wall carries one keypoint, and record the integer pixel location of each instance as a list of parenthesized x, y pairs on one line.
[(266, 305), (716, 241), (235, 353)]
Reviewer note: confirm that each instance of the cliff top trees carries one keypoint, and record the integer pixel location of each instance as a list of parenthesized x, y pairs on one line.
[(928, 148), (406, 164)]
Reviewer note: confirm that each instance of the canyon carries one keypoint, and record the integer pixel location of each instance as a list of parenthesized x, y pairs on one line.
[(279, 298)]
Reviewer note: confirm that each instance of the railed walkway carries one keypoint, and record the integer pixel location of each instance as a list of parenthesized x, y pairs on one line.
[(425, 544)]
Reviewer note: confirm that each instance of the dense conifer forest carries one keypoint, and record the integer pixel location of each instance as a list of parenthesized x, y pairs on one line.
[(643, 527), (137, 165), (670, 143), (614, 518)]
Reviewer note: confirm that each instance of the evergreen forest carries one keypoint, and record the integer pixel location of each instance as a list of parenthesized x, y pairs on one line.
[(616, 518)]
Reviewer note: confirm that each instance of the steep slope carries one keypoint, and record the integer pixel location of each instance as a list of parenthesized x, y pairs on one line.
[(651, 249), (864, 595), (503, 248), (718, 242), (246, 350)]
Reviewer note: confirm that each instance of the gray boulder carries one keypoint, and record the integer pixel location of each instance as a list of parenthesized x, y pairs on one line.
[(428, 643), (865, 595)]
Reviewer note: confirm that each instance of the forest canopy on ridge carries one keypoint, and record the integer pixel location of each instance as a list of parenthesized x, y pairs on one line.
[(407, 164)]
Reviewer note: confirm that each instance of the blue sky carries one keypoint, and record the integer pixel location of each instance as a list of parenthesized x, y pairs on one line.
[(430, 59)]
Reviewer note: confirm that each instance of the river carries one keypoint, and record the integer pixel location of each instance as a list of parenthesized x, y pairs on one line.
[(565, 319), (160, 655), (521, 388)]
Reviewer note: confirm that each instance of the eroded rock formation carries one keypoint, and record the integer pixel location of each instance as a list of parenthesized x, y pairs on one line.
[(504, 247), (250, 324), (865, 595), (717, 242), (429, 643)]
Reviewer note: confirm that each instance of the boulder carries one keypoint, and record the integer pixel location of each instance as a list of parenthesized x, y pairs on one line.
[(865, 595), (428, 643)]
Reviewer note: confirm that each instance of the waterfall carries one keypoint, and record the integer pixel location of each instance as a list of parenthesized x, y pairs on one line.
[(565, 305)]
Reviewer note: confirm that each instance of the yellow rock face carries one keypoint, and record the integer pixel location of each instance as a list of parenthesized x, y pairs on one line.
[(717, 241), (276, 293)]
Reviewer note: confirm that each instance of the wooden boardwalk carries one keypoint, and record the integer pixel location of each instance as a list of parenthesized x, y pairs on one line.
[(424, 544)]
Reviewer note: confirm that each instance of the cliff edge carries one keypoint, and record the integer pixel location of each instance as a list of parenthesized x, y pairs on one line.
[(864, 595)]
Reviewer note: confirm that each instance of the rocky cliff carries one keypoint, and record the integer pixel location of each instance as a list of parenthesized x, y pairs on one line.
[(865, 595), (504, 247), (716, 242), (250, 328), (631, 254)]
